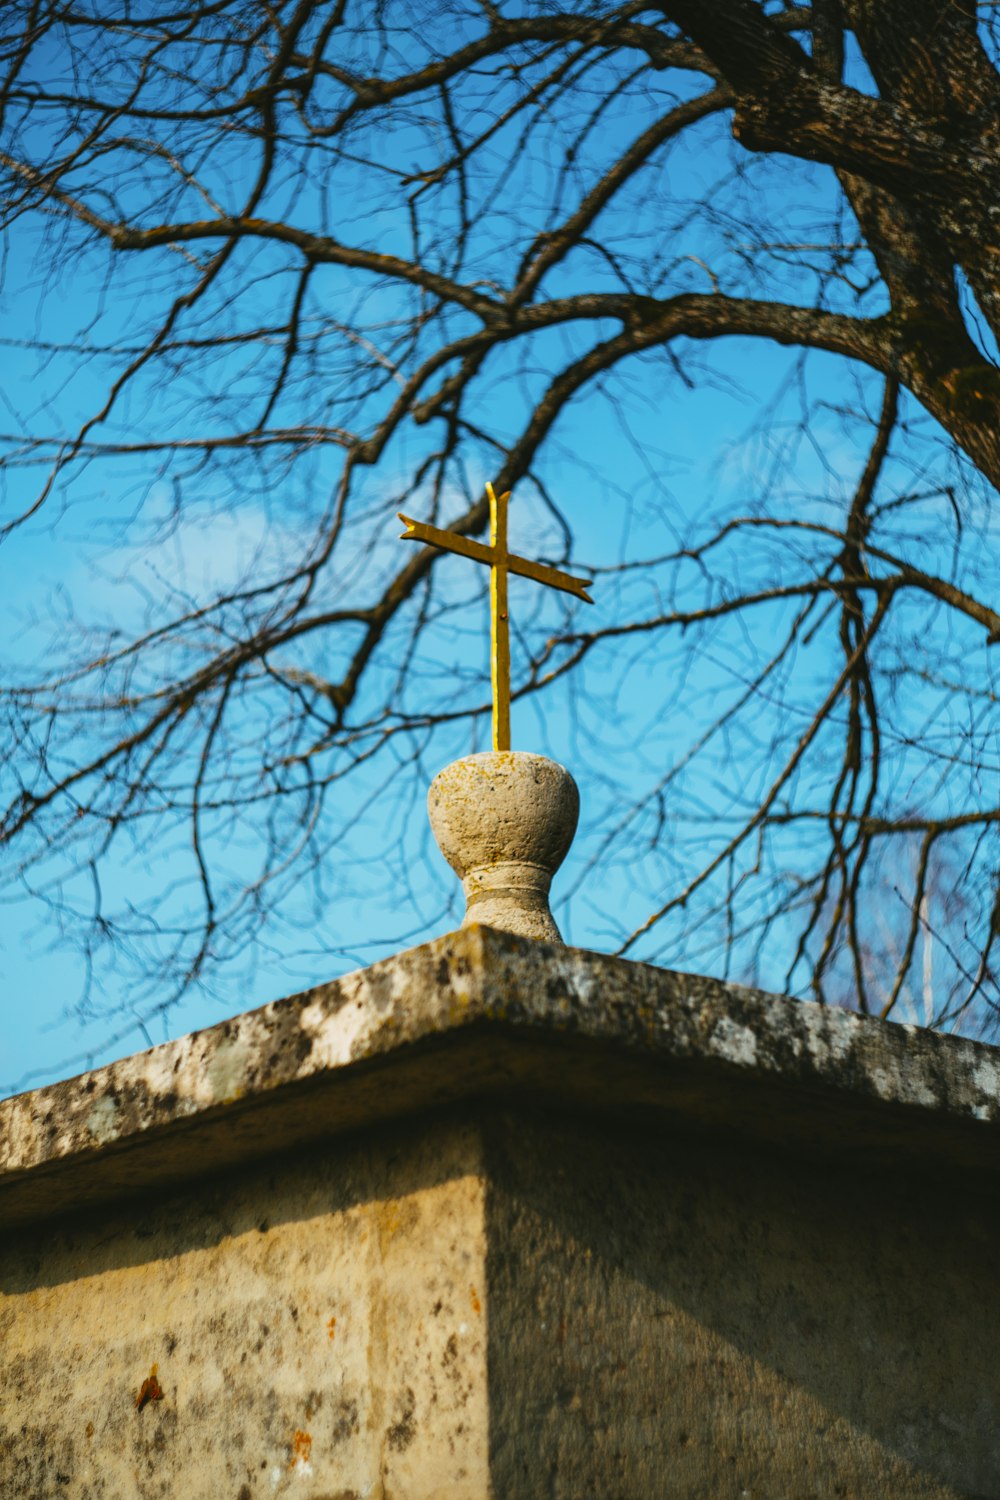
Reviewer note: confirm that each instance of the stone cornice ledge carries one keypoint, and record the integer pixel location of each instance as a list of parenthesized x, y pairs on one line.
[(477, 1013)]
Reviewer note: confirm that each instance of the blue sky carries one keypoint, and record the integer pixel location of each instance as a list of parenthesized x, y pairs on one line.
[(43, 1039), (42, 978), (642, 469)]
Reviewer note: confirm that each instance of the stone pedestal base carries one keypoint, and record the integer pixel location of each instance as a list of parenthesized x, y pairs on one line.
[(504, 821), (517, 1223)]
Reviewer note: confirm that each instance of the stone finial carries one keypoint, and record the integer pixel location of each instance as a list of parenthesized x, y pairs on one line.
[(504, 821)]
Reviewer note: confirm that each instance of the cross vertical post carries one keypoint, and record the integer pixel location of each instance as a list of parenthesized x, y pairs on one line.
[(499, 619), (501, 564)]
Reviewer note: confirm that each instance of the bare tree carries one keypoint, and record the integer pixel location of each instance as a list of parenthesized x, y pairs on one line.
[(313, 262)]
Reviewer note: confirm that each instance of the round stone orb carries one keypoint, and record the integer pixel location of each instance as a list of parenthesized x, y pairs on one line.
[(504, 821)]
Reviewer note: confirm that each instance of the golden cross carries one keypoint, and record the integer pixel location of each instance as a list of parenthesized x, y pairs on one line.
[(500, 562)]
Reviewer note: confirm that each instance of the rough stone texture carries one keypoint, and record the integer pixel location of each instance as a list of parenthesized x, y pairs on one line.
[(497, 1219), (510, 1015), (693, 1319), (504, 821), (316, 1327)]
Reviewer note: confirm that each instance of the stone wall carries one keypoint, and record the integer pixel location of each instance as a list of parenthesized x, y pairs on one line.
[(497, 1219), (302, 1320), (684, 1318)]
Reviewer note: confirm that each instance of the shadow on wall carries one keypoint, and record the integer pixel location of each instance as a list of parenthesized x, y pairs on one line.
[(692, 1319)]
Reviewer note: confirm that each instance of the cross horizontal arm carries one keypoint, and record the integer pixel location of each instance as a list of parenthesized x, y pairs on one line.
[(450, 541)]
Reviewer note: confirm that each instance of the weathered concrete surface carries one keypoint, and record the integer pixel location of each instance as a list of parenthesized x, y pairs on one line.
[(693, 1319), (507, 1014), (492, 1219), (316, 1328), (509, 1304)]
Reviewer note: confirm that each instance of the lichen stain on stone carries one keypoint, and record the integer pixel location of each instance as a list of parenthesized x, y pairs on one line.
[(402, 1432), (301, 1450), (986, 1078), (395, 1217), (736, 1043), (347, 1423), (226, 1072), (150, 1390), (331, 1327), (102, 1120), (333, 1038), (477, 1306)]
